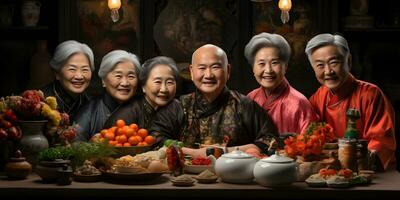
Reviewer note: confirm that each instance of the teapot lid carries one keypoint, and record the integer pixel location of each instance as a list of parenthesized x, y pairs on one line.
[(18, 157), (237, 153), (276, 158)]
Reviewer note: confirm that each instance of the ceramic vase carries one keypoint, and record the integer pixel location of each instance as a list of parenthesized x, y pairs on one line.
[(33, 140)]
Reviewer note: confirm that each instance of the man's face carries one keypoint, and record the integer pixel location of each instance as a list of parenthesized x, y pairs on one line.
[(209, 72), (330, 67)]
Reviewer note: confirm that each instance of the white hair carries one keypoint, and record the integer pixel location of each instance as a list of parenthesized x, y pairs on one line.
[(267, 40), (326, 39), (68, 48), (111, 59)]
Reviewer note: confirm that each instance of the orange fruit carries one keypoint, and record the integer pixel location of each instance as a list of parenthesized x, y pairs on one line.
[(134, 126), (149, 139), (120, 123), (143, 144), (133, 140), (112, 129), (109, 136), (118, 145), (112, 142), (127, 144), (120, 131), (142, 133), (129, 131), (103, 132), (121, 139)]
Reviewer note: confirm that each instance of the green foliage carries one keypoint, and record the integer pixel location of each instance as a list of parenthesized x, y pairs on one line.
[(53, 153), (83, 151)]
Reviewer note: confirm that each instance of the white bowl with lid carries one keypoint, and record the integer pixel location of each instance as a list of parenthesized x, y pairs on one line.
[(235, 167), (275, 170)]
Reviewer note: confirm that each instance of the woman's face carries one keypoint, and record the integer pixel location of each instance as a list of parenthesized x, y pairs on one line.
[(75, 74), (160, 87), (121, 82), (269, 70)]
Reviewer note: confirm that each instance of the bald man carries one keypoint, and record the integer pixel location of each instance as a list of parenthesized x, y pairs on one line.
[(213, 114)]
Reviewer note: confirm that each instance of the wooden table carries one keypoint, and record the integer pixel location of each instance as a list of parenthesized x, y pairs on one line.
[(383, 185)]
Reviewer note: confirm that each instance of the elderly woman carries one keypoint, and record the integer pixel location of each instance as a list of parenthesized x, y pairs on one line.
[(269, 56), (158, 78), (119, 71), (73, 65)]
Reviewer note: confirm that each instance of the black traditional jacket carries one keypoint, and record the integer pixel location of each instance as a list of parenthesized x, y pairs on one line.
[(138, 111), (93, 115), (65, 102), (231, 118)]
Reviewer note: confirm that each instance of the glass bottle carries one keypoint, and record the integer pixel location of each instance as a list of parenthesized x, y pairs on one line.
[(352, 115)]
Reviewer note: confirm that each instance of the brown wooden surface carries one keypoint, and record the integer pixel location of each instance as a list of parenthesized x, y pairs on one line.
[(384, 185)]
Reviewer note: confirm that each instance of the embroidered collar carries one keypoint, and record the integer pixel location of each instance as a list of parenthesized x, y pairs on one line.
[(202, 108)]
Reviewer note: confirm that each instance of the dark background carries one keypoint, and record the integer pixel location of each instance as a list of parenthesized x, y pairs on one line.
[(375, 49)]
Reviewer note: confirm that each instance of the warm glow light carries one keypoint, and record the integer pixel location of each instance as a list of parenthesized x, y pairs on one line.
[(285, 5), (114, 4)]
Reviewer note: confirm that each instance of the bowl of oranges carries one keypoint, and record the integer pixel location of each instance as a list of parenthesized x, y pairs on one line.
[(127, 139)]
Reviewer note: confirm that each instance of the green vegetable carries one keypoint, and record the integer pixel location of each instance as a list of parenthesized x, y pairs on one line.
[(85, 151), (77, 153), (170, 142), (53, 153)]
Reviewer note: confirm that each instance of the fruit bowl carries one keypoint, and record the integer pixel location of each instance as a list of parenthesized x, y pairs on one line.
[(123, 151)]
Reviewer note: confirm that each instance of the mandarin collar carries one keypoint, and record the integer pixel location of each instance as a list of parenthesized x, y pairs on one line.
[(346, 88)]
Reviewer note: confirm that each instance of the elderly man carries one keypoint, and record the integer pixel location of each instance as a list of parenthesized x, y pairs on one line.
[(213, 114), (330, 58)]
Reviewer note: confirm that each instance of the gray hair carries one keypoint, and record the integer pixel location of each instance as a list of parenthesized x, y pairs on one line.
[(68, 48), (267, 40), (218, 51), (326, 39), (111, 59), (149, 65)]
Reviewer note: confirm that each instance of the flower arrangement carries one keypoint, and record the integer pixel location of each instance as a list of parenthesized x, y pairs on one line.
[(32, 106), (309, 144)]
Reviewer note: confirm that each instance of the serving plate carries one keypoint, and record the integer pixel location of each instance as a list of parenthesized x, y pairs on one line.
[(316, 183), (182, 183), (206, 180), (132, 176)]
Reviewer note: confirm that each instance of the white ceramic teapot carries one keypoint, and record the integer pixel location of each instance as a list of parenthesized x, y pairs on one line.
[(275, 170), (235, 167)]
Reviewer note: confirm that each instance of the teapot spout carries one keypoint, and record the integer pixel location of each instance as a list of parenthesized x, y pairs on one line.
[(213, 161)]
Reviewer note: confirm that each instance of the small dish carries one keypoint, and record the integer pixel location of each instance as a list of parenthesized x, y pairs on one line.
[(182, 183), (86, 178), (206, 180)]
